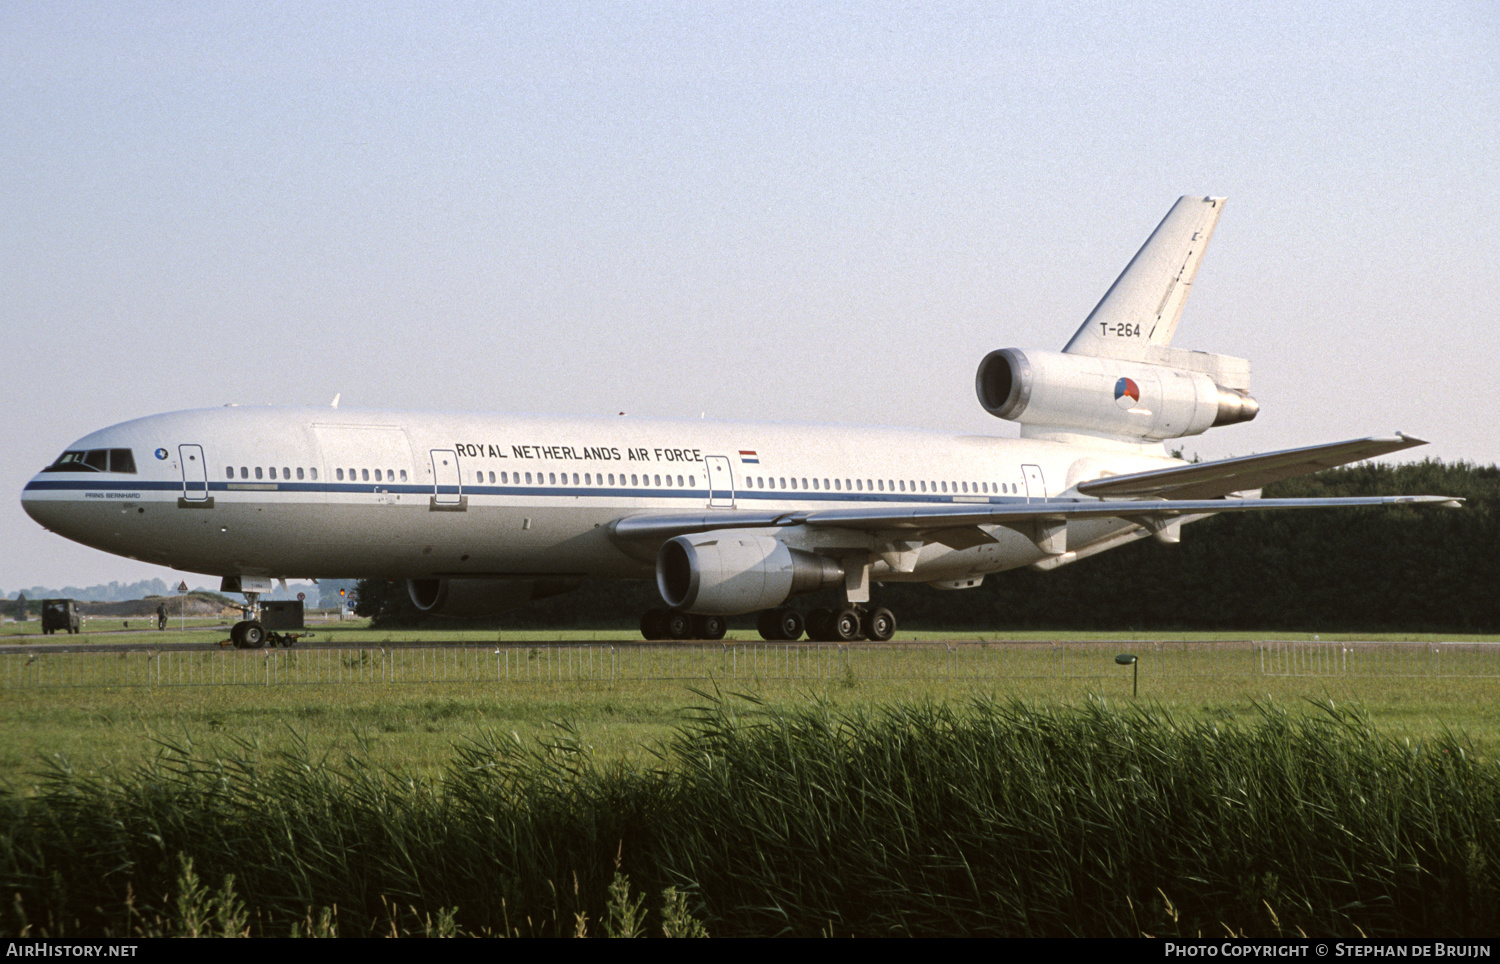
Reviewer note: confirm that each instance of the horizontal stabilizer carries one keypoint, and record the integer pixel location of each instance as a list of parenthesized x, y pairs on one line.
[(1210, 480)]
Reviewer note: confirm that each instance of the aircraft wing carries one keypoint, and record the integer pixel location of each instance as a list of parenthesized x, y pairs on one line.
[(1209, 480), (1157, 501), (957, 525)]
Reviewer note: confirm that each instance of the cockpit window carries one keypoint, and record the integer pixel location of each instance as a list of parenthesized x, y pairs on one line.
[(95, 460), (69, 462)]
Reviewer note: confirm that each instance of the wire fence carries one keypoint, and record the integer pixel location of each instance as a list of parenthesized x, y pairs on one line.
[(741, 661), (1331, 659)]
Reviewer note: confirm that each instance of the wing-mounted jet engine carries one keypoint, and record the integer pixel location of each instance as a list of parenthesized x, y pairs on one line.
[(1118, 377)]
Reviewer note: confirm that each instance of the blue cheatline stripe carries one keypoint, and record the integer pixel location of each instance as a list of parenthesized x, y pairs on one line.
[(333, 488)]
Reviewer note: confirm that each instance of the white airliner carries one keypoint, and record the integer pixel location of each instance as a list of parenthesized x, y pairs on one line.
[(482, 513)]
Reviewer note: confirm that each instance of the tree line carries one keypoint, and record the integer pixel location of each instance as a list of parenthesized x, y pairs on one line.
[(1390, 569)]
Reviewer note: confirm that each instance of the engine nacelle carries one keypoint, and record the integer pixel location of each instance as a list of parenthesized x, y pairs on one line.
[(1087, 393), (728, 573), (482, 597)]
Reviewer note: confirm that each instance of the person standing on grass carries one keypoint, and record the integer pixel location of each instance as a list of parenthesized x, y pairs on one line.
[(161, 616)]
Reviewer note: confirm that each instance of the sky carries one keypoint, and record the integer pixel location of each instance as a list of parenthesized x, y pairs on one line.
[(812, 212)]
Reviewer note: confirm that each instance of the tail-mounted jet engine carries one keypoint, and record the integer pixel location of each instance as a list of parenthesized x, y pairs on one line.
[(482, 597), (725, 573), (1055, 391)]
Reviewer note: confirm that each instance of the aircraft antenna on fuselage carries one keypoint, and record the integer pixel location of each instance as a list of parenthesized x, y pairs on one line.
[(1144, 304)]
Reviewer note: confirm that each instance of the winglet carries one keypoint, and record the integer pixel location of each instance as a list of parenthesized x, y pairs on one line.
[(1145, 303)]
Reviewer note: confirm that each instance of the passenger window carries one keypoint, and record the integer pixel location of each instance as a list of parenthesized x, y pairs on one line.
[(364, 474), (257, 472), (633, 479), (314, 474), (339, 473), (575, 478), (229, 472), (528, 478), (299, 473), (403, 475)]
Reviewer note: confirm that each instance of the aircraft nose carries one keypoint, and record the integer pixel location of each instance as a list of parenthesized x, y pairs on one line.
[(42, 510)]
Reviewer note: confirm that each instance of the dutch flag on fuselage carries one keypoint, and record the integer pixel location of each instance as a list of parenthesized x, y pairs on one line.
[(748, 457)]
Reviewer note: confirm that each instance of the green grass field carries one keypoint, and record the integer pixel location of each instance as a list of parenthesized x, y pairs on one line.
[(622, 711)]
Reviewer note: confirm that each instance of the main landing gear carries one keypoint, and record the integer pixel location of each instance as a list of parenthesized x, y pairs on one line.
[(843, 625), (675, 624)]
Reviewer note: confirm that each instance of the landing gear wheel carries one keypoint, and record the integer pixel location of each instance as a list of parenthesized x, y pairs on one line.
[(237, 635), (679, 625), (844, 627), (654, 624), (880, 624), (765, 624), (783, 623), (254, 634), (710, 627)]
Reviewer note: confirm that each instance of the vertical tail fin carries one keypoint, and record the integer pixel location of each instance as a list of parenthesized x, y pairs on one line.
[(1145, 303)]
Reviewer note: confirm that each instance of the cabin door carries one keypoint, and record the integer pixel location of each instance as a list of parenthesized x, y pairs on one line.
[(194, 473), (447, 485), (720, 482), (1035, 489)]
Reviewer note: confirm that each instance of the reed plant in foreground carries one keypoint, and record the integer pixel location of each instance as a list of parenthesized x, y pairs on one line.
[(919, 818)]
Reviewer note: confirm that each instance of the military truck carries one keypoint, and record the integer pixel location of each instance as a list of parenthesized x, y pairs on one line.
[(61, 614)]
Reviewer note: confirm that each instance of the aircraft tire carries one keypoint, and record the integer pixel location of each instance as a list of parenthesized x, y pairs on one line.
[(880, 624), (254, 634), (237, 634), (820, 625), (765, 624), (710, 627), (654, 624), (788, 623), (679, 625), (845, 627)]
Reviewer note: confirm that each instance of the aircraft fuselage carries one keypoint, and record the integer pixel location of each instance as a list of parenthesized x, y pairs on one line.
[(327, 493)]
